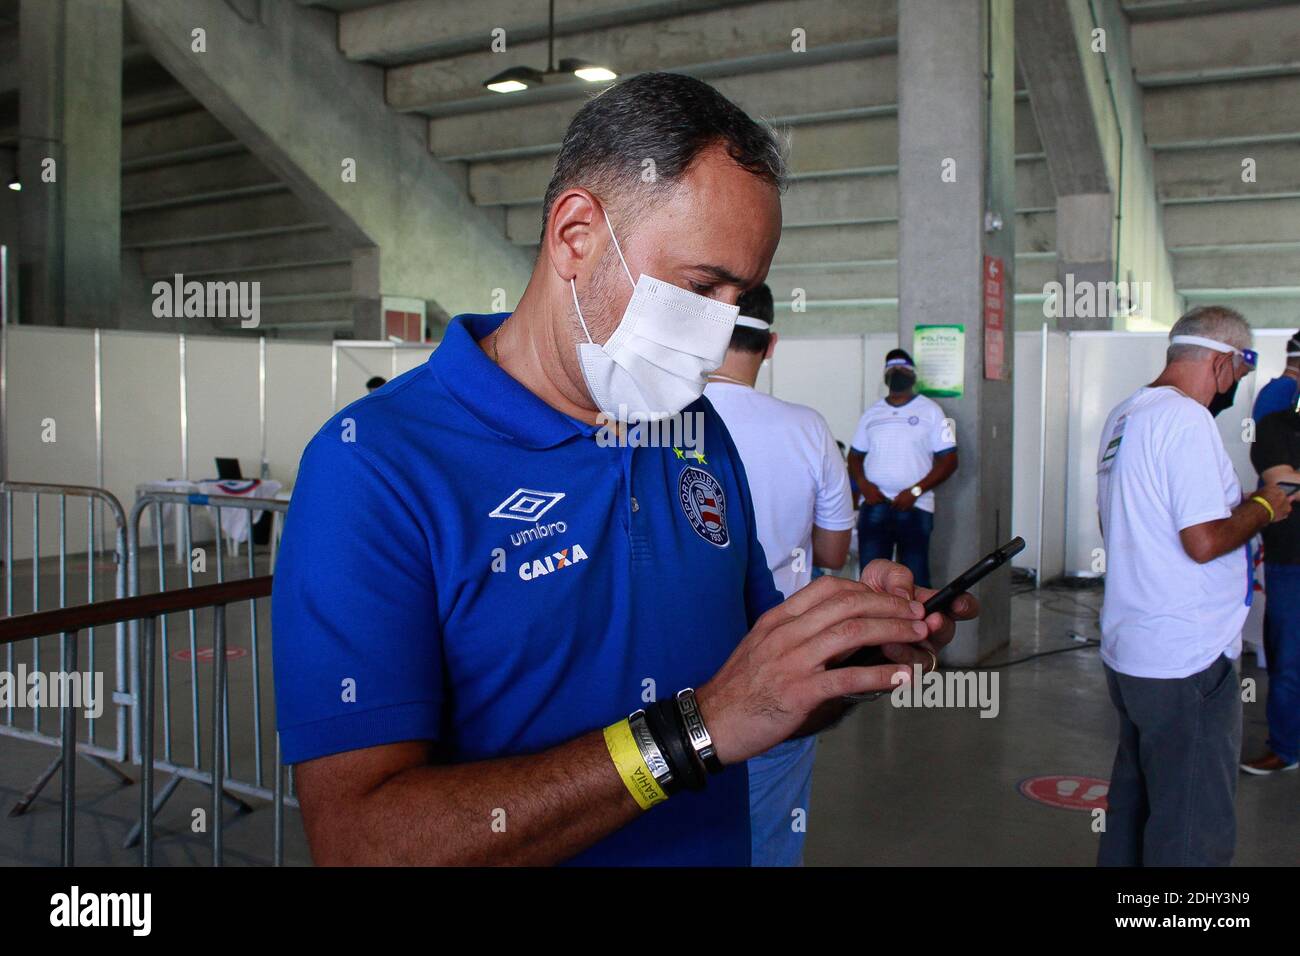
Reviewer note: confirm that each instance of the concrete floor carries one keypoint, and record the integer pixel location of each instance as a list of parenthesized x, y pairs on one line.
[(892, 786)]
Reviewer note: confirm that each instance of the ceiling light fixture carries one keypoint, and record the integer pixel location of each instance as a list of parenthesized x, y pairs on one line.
[(516, 79)]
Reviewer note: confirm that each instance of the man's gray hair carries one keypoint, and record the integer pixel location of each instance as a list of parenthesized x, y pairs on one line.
[(1216, 322)]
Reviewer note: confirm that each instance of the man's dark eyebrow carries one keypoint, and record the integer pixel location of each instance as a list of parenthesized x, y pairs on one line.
[(724, 275)]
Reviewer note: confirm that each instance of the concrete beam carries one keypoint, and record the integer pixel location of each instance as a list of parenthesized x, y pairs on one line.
[(171, 133), (714, 42), (1050, 57), (1260, 309), (411, 30), (214, 258), (326, 110), (863, 89), (1195, 49), (181, 181), (247, 216), (830, 200), (1219, 173), (1247, 111), (1244, 269), (867, 146), (1224, 224), (834, 282), (9, 54)]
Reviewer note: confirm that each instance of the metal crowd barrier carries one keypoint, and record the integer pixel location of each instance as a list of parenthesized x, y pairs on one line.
[(148, 609), (92, 748), (142, 653), (229, 778)]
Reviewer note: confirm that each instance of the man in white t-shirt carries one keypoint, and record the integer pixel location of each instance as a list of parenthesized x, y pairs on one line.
[(803, 511), (903, 449), (1178, 587)]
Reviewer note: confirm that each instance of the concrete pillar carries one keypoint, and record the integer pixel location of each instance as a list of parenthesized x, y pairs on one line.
[(70, 113), (951, 120)]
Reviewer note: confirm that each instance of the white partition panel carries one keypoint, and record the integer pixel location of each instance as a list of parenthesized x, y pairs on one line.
[(357, 364), (1027, 446), (142, 412), (297, 402), (223, 405), (51, 396), (824, 373), (1055, 459), (1038, 477), (410, 358)]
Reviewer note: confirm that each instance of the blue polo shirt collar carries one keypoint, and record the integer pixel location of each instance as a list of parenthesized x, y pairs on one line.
[(494, 399)]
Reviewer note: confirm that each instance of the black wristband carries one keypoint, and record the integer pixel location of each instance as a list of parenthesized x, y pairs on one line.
[(670, 734)]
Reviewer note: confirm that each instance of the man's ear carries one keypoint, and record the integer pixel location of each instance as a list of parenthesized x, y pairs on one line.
[(771, 347), (570, 239)]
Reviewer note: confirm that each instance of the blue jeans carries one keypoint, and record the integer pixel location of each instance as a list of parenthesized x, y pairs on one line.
[(780, 782), (882, 528), (1282, 648)]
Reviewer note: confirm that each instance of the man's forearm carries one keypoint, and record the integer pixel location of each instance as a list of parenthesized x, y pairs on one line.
[(1230, 533), (535, 810), (944, 466), (857, 472)]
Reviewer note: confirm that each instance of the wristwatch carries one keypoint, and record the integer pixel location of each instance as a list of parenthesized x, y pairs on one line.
[(915, 490)]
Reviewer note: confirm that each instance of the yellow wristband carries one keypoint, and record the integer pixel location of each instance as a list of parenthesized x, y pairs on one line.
[(1267, 507), (627, 760)]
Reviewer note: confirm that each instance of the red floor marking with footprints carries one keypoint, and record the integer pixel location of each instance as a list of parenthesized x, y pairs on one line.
[(1067, 791)]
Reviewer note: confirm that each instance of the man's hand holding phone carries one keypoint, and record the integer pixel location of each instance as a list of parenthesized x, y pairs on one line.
[(781, 681)]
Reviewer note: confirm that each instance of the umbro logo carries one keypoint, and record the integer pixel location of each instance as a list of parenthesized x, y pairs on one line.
[(526, 504)]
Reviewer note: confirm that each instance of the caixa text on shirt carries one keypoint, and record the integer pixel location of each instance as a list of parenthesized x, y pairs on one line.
[(558, 561)]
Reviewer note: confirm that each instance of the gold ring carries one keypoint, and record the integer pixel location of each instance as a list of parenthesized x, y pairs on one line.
[(934, 660)]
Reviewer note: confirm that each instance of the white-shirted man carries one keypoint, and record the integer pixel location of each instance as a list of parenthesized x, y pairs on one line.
[(903, 449), (803, 511), (1178, 588)]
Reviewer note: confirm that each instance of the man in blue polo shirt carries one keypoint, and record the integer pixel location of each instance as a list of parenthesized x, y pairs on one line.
[(475, 580)]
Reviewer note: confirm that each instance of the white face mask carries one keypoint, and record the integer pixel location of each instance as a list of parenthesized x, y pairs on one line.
[(655, 363)]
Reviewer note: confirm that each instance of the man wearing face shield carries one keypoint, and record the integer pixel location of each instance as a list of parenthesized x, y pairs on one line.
[(903, 449), (1178, 587), (494, 598)]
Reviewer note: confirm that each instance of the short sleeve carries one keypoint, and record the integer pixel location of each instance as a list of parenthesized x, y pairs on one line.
[(761, 592), (942, 435), (859, 443), (1192, 476), (833, 509), (357, 644)]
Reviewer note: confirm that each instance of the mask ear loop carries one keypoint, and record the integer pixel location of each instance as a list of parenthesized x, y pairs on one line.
[(574, 289), (616, 247)]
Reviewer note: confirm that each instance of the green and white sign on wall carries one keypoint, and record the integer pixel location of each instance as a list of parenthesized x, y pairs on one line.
[(940, 355)]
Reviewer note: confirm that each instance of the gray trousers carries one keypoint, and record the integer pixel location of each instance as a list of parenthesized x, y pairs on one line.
[(1174, 784)]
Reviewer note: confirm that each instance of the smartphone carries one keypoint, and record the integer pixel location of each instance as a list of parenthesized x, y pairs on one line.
[(1290, 487), (942, 599)]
